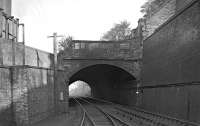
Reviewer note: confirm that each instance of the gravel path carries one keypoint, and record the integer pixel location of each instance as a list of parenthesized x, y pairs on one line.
[(68, 119)]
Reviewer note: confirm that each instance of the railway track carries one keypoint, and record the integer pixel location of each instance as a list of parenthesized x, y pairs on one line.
[(140, 117), (94, 115), (98, 112), (86, 119)]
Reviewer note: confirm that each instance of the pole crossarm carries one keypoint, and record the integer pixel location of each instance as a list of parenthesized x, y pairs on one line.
[(54, 36)]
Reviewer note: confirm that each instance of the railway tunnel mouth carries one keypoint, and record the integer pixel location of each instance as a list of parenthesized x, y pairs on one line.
[(108, 82), (79, 89)]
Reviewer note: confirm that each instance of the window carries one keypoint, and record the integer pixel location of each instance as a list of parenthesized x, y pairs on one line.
[(77, 46)]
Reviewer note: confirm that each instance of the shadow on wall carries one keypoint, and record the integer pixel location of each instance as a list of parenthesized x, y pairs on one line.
[(26, 113), (31, 98), (6, 115), (79, 89)]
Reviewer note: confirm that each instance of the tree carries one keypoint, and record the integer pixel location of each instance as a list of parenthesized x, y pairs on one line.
[(65, 43), (65, 47), (120, 31)]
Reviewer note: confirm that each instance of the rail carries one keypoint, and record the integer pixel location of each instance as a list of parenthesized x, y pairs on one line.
[(110, 116), (85, 114), (110, 119), (145, 116), (107, 115), (94, 123)]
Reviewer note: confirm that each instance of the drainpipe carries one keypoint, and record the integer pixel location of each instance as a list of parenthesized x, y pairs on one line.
[(23, 33), (23, 42), (6, 27), (17, 30)]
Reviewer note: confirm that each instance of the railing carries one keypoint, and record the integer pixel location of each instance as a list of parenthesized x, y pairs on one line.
[(9, 27), (128, 49)]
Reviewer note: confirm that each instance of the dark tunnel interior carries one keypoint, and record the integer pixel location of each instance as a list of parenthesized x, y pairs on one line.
[(108, 82)]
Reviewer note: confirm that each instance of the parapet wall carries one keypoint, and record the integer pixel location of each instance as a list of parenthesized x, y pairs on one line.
[(13, 54)]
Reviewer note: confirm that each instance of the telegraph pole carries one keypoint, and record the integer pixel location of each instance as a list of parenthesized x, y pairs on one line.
[(55, 36)]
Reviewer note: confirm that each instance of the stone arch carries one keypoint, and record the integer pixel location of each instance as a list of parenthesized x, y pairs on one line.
[(107, 81), (129, 66), (97, 64)]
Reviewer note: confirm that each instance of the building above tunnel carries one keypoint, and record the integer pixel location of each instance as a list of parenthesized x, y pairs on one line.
[(6, 5)]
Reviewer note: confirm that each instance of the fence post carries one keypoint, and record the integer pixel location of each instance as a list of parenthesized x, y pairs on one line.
[(1, 22), (13, 29), (23, 33), (17, 29), (6, 27), (23, 42)]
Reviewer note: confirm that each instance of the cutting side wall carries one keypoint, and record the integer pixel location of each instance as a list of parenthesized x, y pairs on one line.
[(18, 54), (171, 71), (27, 90)]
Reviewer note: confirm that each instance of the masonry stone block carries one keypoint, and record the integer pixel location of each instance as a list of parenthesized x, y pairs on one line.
[(6, 48), (181, 4), (20, 96), (19, 56), (33, 95), (61, 92), (154, 21)]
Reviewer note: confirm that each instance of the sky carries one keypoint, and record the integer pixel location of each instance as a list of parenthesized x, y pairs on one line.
[(82, 19)]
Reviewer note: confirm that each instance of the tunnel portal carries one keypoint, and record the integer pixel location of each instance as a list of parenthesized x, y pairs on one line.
[(108, 82)]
